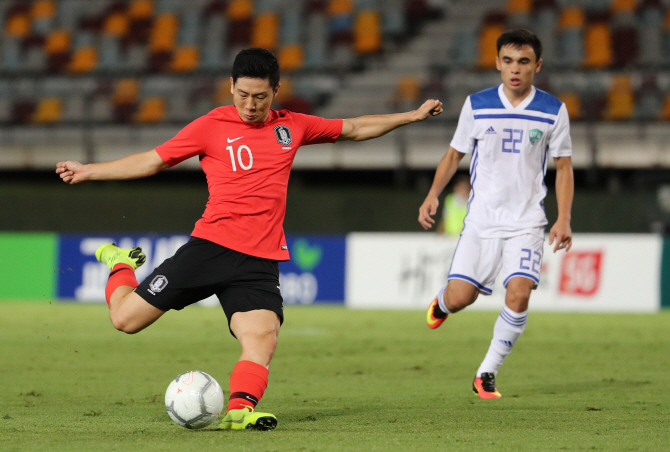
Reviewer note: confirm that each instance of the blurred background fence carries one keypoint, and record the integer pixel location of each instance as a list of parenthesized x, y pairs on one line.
[(99, 79)]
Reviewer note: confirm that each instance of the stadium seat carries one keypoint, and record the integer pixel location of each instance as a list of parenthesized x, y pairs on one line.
[(620, 99), (624, 45), (407, 93), (240, 10), (394, 22), (18, 25), (465, 50), (367, 32), (265, 31), (222, 95), (649, 100), (546, 20), (316, 40), (116, 24), (597, 46), (650, 33), (22, 111), (84, 59), (10, 54), (291, 26), (519, 6), (163, 36), (620, 6), (151, 110), (487, 45), (48, 111), (140, 9), (291, 57), (185, 59), (340, 7), (572, 104), (664, 114)]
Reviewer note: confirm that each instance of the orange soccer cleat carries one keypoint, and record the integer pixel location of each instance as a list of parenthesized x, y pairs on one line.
[(435, 317), (485, 386)]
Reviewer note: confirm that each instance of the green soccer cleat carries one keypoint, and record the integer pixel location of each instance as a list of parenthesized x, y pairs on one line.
[(111, 255), (247, 418)]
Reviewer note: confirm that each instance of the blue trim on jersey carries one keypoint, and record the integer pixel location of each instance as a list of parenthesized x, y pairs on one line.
[(473, 178), (515, 116), (489, 98), (545, 103), (544, 173), (467, 278), (527, 275), (521, 321)]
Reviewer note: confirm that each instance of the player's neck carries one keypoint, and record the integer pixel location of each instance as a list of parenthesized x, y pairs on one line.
[(515, 98)]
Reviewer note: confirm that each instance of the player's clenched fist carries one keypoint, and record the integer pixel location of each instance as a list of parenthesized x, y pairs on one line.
[(429, 108), (427, 210), (70, 171)]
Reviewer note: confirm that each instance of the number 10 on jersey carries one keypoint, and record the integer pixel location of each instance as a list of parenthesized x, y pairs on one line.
[(239, 157)]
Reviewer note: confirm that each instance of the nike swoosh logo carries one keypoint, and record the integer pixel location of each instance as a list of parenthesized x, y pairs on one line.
[(234, 139)]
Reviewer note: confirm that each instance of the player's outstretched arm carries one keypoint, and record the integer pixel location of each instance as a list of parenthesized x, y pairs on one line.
[(445, 171), (368, 127), (132, 167), (565, 189)]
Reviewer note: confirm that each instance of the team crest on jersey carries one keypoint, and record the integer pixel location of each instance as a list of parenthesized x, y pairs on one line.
[(283, 134), (535, 136), (158, 284)]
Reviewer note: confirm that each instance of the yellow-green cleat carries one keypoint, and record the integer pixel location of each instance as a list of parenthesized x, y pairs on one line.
[(247, 418), (111, 255)]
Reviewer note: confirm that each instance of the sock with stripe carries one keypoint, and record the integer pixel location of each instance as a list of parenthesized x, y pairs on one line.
[(440, 301), (247, 385), (507, 330), (121, 275)]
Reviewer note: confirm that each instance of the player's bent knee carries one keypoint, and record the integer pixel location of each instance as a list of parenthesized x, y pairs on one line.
[(125, 324)]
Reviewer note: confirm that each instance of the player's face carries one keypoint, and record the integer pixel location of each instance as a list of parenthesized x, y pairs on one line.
[(517, 66), (252, 98)]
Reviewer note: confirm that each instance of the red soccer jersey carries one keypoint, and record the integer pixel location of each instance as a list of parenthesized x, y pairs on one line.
[(247, 168)]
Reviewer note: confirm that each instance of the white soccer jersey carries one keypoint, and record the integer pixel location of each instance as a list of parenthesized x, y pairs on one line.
[(509, 148)]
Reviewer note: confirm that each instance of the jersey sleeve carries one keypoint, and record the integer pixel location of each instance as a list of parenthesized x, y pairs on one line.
[(463, 140), (560, 143), (318, 130), (189, 142)]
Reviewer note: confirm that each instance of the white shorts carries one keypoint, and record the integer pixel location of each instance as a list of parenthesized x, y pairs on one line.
[(478, 261)]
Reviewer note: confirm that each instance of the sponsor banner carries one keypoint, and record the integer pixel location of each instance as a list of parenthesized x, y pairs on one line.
[(83, 278), (28, 269), (601, 273), (315, 272)]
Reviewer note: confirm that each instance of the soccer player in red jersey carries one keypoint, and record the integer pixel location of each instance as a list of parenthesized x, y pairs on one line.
[(246, 151)]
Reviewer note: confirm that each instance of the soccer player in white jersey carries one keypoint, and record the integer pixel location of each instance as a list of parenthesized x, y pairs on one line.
[(509, 131)]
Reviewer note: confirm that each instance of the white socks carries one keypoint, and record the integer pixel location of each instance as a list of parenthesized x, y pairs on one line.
[(506, 332), (440, 300)]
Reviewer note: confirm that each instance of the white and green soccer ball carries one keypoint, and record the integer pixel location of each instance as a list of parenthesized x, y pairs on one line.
[(194, 399)]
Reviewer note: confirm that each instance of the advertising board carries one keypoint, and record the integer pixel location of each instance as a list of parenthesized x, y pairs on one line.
[(601, 273)]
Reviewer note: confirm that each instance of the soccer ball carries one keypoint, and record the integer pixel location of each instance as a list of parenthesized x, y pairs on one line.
[(194, 399)]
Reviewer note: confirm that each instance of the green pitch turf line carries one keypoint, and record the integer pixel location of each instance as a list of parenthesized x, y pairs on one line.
[(341, 380)]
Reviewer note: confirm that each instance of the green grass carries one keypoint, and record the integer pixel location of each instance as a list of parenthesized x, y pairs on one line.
[(341, 380)]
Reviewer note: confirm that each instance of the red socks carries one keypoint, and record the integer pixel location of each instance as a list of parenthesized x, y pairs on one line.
[(247, 385), (121, 275)]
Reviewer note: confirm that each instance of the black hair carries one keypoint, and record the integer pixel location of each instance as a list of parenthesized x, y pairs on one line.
[(256, 63), (520, 37)]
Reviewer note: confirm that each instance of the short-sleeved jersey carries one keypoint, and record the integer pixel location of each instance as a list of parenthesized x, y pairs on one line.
[(247, 168), (509, 147)]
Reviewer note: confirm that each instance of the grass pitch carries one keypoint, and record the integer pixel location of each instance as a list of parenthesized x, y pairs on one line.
[(341, 380)]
